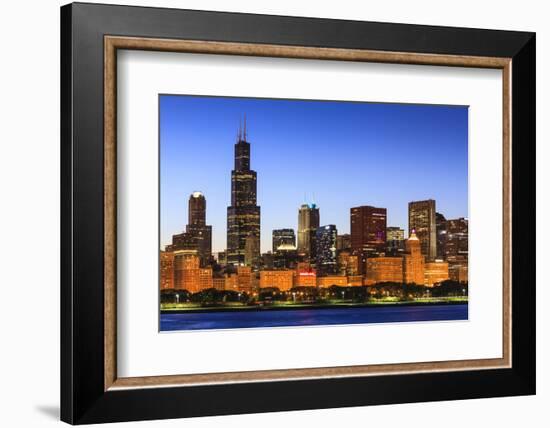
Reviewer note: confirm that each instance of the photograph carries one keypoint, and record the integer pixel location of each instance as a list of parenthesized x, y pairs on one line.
[(293, 212)]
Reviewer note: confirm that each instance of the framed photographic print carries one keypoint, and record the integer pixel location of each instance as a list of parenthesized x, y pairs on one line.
[(266, 213)]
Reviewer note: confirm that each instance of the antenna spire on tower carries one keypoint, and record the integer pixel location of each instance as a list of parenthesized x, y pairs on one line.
[(244, 135)]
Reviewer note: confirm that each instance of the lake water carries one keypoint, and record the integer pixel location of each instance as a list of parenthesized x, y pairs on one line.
[(305, 317)]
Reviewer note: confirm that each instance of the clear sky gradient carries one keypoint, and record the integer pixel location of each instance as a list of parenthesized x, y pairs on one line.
[(335, 154)]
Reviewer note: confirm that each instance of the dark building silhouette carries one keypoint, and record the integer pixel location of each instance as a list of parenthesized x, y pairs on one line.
[(308, 223), (325, 253), (197, 209), (395, 241), (422, 222), (456, 242), (343, 242), (368, 232), (441, 233), (243, 216), (283, 237)]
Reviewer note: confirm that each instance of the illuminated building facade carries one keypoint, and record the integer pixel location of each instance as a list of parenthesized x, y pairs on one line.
[(355, 280), (325, 242), (282, 279), (286, 257), (458, 268), (166, 270), (368, 231), (244, 279), (231, 282), (456, 243), (284, 237), (413, 261), (435, 272), (308, 223), (305, 276), (243, 216), (218, 283), (348, 263), (188, 274), (395, 240), (329, 280), (384, 269), (422, 222)]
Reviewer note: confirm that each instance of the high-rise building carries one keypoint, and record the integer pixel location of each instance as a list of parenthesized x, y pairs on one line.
[(422, 223), (197, 235), (458, 269), (267, 260), (252, 251), (456, 242), (221, 257), (413, 261), (197, 209), (243, 216), (343, 242), (325, 253), (368, 231), (283, 237), (286, 257), (308, 223), (441, 234), (197, 227), (395, 240)]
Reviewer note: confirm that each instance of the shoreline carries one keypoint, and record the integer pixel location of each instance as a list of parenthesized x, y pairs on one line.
[(309, 306)]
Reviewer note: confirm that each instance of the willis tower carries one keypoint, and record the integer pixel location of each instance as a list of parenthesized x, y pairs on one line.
[(243, 216)]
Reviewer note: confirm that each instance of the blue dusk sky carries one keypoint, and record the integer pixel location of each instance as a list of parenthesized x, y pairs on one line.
[(335, 154)]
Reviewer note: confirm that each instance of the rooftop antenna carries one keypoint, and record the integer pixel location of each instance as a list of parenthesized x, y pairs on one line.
[(240, 130), (244, 135)]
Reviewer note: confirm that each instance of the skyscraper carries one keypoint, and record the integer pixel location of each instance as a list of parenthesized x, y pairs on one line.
[(456, 243), (252, 251), (283, 237), (325, 253), (395, 239), (308, 223), (197, 227), (441, 234), (343, 242), (243, 216), (197, 235), (422, 223), (368, 231), (197, 209)]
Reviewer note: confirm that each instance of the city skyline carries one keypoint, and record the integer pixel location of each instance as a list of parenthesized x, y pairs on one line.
[(393, 155)]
